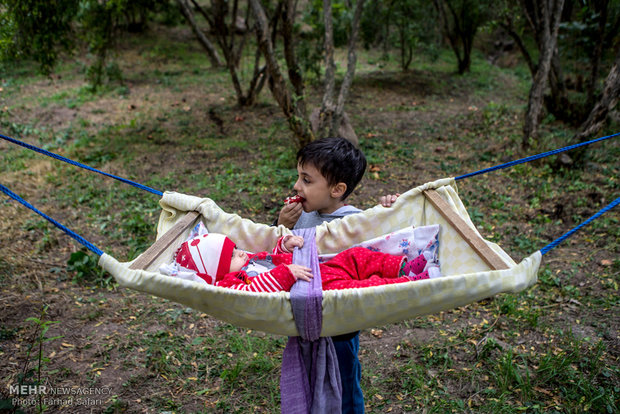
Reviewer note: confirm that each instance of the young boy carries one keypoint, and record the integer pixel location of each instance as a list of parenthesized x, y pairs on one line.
[(329, 170), (215, 259)]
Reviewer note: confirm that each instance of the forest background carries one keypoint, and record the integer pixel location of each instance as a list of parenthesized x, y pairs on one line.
[(214, 98)]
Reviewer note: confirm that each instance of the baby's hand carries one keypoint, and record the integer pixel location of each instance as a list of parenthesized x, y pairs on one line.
[(293, 241), (300, 272), (388, 200)]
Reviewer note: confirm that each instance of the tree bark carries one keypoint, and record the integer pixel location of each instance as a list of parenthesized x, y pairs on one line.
[(460, 28), (598, 115), (598, 51), (443, 18), (351, 64), (277, 84), (331, 117), (548, 13), (559, 104), (327, 105), (202, 39), (294, 71)]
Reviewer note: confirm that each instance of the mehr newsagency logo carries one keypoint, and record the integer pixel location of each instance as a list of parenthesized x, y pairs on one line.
[(33, 395)]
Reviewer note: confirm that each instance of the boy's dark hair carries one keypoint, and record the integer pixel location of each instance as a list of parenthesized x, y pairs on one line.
[(337, 159)]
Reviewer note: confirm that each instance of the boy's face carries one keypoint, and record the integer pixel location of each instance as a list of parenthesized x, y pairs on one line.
[(317, 193)]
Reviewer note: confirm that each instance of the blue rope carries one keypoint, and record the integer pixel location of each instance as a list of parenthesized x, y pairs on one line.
[(78, 164), (571, 232), (534, 157), (70, 232)]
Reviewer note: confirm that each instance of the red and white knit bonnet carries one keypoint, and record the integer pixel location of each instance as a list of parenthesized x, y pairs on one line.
[(209, 255)]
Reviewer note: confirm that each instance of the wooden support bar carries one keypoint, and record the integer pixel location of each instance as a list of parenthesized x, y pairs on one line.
[(152, 253), (467, 233)]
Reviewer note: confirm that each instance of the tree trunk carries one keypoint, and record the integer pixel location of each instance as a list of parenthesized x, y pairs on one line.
[(549, 12), (327, 105), (294, 71), (445, 24), (225, 35), (277, 84), (460, 28), (598, 51), (202, 39), (558, 103), (598, 115), (331, 116), (351, 63)]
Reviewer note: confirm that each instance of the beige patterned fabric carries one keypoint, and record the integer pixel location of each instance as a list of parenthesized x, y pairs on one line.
[(466, 276)]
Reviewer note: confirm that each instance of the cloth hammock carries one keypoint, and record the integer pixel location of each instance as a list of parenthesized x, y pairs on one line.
[(467, 278)]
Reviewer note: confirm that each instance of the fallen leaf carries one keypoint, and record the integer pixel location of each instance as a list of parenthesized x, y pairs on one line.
[(541, 390)]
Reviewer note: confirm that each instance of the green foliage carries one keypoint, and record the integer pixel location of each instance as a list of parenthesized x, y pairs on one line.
[(311, 31), (406, 25), (41, 29), (37, 29), (85, 268), (460, 21), (36, 360), (574, 369), (579, 34), (101, 21)]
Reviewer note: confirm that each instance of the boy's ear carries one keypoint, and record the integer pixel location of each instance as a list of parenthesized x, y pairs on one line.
[(338, 190)]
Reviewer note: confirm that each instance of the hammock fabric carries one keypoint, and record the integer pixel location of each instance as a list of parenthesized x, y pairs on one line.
[(466, 277)]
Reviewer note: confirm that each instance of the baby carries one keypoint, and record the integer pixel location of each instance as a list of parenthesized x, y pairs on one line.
[(216, 260)]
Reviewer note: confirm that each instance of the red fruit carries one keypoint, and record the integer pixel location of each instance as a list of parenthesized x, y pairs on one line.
[(293, 199)]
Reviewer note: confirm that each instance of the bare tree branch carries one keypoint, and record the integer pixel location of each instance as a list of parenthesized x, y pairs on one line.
[(204, 13), (603, 11), (351, 63), (330, 119), (327, 105), (296, 118), (608, 100), (294, 71), (202, 39), (508, 27)]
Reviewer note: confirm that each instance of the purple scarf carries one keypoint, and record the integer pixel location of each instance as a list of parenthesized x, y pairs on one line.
[(310, 379)]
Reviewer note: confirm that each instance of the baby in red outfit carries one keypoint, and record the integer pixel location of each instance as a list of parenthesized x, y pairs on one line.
[(215, 258)]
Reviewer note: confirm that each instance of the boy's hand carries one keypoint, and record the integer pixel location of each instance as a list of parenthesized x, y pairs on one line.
[(300, 272), (293, 241), (289, 215), (388, 200)]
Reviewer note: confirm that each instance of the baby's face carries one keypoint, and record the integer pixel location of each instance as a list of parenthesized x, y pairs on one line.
[(239, 258)]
